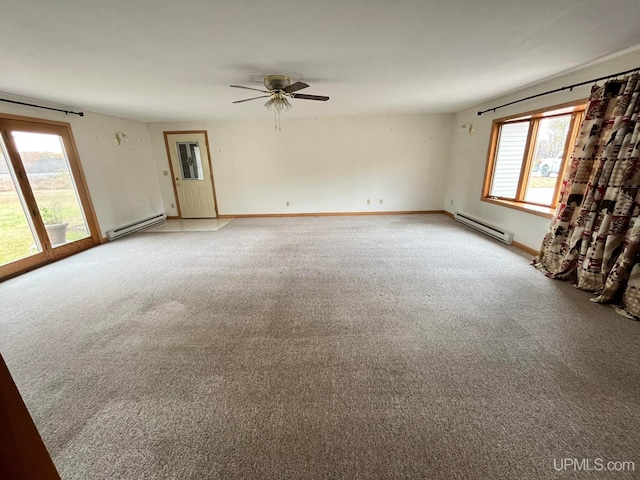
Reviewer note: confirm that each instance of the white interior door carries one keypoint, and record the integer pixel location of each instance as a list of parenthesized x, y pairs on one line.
[(192, 176)]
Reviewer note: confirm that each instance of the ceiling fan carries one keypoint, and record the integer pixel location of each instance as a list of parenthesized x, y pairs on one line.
[(279, 89)]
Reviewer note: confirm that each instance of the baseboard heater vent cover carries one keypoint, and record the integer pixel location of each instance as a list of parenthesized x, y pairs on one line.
[(135, 226), (492, 231)]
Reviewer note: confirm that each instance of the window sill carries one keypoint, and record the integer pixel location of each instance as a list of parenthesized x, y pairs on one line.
[(523, 207)]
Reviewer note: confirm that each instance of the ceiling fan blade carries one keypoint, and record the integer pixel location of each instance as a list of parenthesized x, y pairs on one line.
[(252, 98), (294, 87), (310, 97), (249, 88)]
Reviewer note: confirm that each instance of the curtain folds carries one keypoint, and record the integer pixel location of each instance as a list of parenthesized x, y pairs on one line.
[(594, 237)]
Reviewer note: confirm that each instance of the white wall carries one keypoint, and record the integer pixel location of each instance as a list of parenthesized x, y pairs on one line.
[(412, 162), (321, 165), (122, 179), (469, 152)]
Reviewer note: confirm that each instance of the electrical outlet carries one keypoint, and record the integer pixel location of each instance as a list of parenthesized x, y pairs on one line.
[(451, 202), (287, 204), (173, 206), (165, 173), (368, 201), (380, 201)]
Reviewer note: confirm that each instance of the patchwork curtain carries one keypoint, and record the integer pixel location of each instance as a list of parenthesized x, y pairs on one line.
[(594, 237)]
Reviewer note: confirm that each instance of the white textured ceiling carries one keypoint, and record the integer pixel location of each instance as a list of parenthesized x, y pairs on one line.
[(154, 60)]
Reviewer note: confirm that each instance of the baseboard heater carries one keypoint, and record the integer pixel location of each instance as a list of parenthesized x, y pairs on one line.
[(492, 231), (135, 226)]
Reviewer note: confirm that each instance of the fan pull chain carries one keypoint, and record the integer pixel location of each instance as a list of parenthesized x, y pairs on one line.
[(276, 119)]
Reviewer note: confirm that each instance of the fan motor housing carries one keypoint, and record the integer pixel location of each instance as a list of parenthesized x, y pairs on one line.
[(276, 82)]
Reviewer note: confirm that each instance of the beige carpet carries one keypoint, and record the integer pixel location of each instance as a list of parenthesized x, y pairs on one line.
[(390, 347)]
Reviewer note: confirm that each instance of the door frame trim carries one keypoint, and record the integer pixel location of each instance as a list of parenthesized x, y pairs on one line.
[(173, 176)]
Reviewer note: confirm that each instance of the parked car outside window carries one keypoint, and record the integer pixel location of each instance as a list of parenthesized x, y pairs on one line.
[(547, 167)]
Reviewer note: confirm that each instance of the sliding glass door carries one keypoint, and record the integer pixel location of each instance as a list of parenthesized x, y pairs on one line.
[(18, 232), (45, 210)]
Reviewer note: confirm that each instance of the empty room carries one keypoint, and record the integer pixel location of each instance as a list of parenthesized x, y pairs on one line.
[(319, 240)]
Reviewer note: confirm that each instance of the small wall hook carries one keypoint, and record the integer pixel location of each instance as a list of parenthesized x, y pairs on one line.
[(120, 136), (467, 127)]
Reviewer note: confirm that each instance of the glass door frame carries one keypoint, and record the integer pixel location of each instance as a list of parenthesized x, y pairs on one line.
[(9, 123)]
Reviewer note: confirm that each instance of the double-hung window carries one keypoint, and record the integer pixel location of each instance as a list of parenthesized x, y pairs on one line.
[(528, 155)]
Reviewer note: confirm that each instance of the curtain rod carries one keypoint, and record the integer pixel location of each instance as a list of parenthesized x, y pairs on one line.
[(40, 106), (570, 87)]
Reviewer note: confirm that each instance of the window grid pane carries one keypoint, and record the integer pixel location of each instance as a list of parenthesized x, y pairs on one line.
[(509, 159), (547, 159), (190, 161)]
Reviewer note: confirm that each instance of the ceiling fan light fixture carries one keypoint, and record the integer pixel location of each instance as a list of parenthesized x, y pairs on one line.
[(269, 104), (278, 102), (280, 89)]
